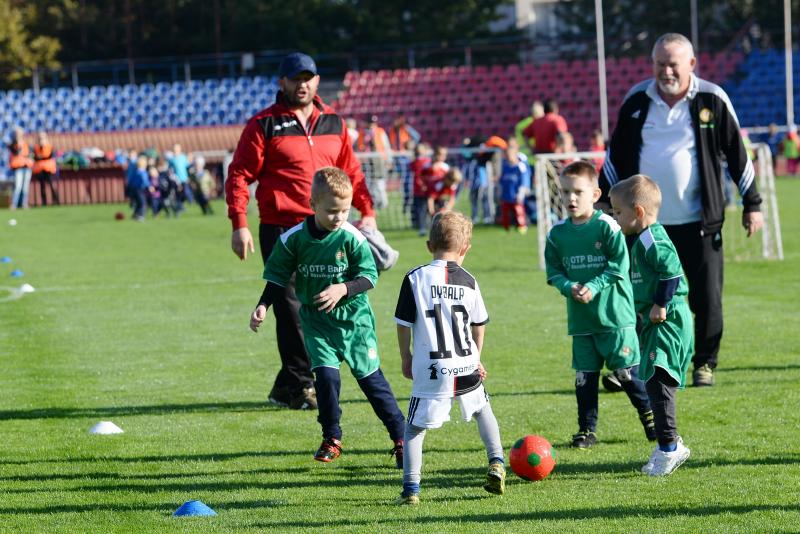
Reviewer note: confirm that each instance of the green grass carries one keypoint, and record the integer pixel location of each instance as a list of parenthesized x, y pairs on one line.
[(145, 325)]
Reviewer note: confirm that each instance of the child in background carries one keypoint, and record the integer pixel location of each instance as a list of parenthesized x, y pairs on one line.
[(587, 262), (659, 293), (442, 194), (419, 205), (515, 183), (597, 144), (334, 268), (153, 192), (202, 182), (440, 304), (138, 184)]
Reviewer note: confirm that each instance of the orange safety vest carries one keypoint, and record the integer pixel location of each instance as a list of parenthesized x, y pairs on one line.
[(398, 137), (21, 158), (377, 139), (43, 160)]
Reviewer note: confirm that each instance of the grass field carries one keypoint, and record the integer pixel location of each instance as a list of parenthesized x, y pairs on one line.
[(145, 325)]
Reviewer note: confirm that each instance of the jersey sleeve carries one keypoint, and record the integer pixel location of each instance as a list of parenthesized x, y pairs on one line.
[(478, 315), (247, 163), (617, 261), (281, 264), (362, 263), (405, 313), (556, 274), (663, 259)]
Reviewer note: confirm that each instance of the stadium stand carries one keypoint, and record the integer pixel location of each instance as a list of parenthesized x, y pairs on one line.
[(757, 88), (447, 103)]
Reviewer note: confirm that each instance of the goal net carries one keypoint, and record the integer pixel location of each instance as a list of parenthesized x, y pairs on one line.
[(738, 247)]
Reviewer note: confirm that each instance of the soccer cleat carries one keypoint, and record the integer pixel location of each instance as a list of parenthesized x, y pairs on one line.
[(397, 452), (411, 499), (649, 424), (305, 399), (496, 479), (329, 450), (703, 376), (583, 439), (665, 463), (646, 468), (611, 383)]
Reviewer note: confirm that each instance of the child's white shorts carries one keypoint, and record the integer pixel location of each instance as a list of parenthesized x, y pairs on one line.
[(433, 413)]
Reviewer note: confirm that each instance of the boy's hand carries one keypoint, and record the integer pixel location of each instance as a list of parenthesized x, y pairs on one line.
[(327, 299), (258, 316), (581, 293), (658, 314), (406, 368), (481, 371)]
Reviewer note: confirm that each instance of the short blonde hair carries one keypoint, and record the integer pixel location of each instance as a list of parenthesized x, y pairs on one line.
[(581, 168), (451, 231), (331, 181), (638, 190)]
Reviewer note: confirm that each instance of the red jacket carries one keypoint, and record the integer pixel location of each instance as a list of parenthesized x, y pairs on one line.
[(282, 156)]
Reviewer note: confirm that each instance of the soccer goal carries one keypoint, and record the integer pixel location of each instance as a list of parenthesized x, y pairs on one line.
[(737, 246)]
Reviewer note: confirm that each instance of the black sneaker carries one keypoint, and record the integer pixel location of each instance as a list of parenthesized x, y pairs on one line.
[(583, 439), (649, 424), (280, 396), (611, 383), (305, 399), (397, 452), (329, 450)]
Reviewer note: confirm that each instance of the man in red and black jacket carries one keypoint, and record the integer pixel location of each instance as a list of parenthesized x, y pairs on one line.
[(280, 149)]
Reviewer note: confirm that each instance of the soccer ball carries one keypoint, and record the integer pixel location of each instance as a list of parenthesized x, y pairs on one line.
[(532, 458)]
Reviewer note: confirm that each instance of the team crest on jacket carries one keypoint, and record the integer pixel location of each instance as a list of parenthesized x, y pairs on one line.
[(598, 245), (340, 255), (706, 115)]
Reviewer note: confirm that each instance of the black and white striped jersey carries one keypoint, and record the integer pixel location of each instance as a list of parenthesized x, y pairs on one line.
[(440, 302)]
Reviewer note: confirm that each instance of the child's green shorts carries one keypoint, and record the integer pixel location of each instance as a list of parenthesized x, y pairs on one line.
[(669, 344), (347, 334), (617, 349)]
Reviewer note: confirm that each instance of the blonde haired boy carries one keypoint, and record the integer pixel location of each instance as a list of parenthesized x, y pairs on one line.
[(441, 307), (333, 268), (659, 292)]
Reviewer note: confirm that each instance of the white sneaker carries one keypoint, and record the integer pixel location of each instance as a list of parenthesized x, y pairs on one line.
[(646, 468), (665, 463)]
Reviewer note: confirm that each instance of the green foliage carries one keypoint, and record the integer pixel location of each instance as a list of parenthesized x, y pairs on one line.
[(146, 325), (22, 50)]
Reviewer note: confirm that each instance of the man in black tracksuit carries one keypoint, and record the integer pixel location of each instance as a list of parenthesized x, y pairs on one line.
[(678, 129)]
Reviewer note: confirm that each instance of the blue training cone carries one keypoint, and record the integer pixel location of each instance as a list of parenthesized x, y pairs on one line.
[(194, 508), (16, 273), (5, 259)]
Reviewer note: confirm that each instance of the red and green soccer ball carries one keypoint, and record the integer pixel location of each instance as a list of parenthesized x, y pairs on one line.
[(532, 458)]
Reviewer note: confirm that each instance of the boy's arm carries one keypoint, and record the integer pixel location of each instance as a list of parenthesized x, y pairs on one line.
[(271, 292), (556, 274), (664, 260), (618, 263), (404, 343), (478, 332)]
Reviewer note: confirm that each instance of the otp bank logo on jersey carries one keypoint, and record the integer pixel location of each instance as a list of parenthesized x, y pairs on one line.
[(320, 271)]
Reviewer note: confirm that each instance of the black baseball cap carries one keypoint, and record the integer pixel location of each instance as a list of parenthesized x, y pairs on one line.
[(295, 63)]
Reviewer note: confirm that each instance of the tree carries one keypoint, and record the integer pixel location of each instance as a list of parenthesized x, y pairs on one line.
[(20, 51)]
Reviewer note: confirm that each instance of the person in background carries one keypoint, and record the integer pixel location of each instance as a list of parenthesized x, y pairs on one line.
[(515, 182), (44, 168), (20, 163), (678, 129), (527, 144), (790, 149), (179, 165), (138, 187), (282, 167), (597, 144), (374, 139), (545, 129), (419, 202)]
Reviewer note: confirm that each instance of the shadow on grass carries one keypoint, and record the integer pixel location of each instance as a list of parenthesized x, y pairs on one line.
[(617, 512), (162, 508), (748, 369), (201, 407)]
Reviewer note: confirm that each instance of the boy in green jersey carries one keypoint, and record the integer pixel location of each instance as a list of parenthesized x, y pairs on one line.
[(333, 268), (587, 261), (659, 292)]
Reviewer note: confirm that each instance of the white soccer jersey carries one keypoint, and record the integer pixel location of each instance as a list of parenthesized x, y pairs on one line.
[(440, 302)]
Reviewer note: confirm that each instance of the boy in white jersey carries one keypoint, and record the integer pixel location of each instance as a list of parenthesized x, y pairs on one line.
[(441, 305), (659, 293), (333, 269)]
